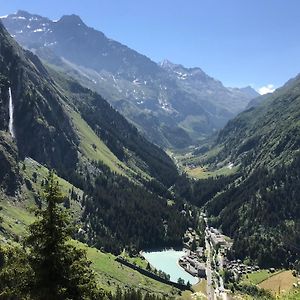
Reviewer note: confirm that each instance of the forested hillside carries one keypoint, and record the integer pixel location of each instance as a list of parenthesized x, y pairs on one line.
[(258, 206), (267, 134), (74, 131)]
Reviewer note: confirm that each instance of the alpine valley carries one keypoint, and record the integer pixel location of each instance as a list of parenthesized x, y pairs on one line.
[(106, 155)]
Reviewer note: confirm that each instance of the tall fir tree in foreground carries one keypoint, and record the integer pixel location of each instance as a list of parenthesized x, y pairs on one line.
[(60, 270)]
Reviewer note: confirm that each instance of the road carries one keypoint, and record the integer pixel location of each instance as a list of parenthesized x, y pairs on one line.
[(211, 295)]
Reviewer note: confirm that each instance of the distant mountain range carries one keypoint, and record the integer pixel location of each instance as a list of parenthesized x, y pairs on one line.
[(172, 105)]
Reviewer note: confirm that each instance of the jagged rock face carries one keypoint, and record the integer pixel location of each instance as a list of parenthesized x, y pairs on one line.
[(4, 118), (172, 105), (9, 171)]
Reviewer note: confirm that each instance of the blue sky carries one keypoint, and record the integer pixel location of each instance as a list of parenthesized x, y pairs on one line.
[(240, 42)]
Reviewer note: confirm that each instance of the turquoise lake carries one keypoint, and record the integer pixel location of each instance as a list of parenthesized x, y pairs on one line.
[(167, 261)]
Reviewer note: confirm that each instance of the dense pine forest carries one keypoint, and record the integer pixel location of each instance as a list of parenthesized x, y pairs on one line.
[(119, 214), (272, 204)]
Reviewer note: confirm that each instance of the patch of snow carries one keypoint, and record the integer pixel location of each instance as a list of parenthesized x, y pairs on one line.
[(181, 76), (100, 76), (230, 165), (136, 81), (115, 81), (49, 44), (28, 26), (4, 17), (116, 84), (18, 18), (39, 30), (164, 103)]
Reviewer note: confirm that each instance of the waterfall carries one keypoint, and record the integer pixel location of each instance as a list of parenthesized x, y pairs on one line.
[(11, 115)]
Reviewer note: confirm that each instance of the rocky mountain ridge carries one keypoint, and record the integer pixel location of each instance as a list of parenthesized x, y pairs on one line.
[(173, 106)]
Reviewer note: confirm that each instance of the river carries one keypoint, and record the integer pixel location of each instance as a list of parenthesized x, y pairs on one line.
[(167, 261)]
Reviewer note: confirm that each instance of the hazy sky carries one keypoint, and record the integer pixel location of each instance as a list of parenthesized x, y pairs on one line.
[(240, 42)]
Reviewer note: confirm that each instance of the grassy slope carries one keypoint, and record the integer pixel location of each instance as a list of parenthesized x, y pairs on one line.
[(100, 152), (93, 148), (111, 274), (279, 283), (282, 281), (16, 217), (292, 295), (195, 167), (32, 167), (199, 292), (257, 277), (203, 172)]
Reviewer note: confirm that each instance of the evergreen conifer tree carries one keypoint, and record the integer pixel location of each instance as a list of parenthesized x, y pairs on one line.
[(61, 271)]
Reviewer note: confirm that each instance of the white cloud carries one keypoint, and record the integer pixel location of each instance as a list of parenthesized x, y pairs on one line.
[(270, 88)]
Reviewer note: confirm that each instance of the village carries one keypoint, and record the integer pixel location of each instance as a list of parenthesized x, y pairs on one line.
[(209, 260), (206, 258), (193, 261)]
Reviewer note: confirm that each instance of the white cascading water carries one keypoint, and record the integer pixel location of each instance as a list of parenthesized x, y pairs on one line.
[(11, 115)]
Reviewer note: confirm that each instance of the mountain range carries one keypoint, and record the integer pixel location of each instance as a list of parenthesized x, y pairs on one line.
[(171, 105)]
